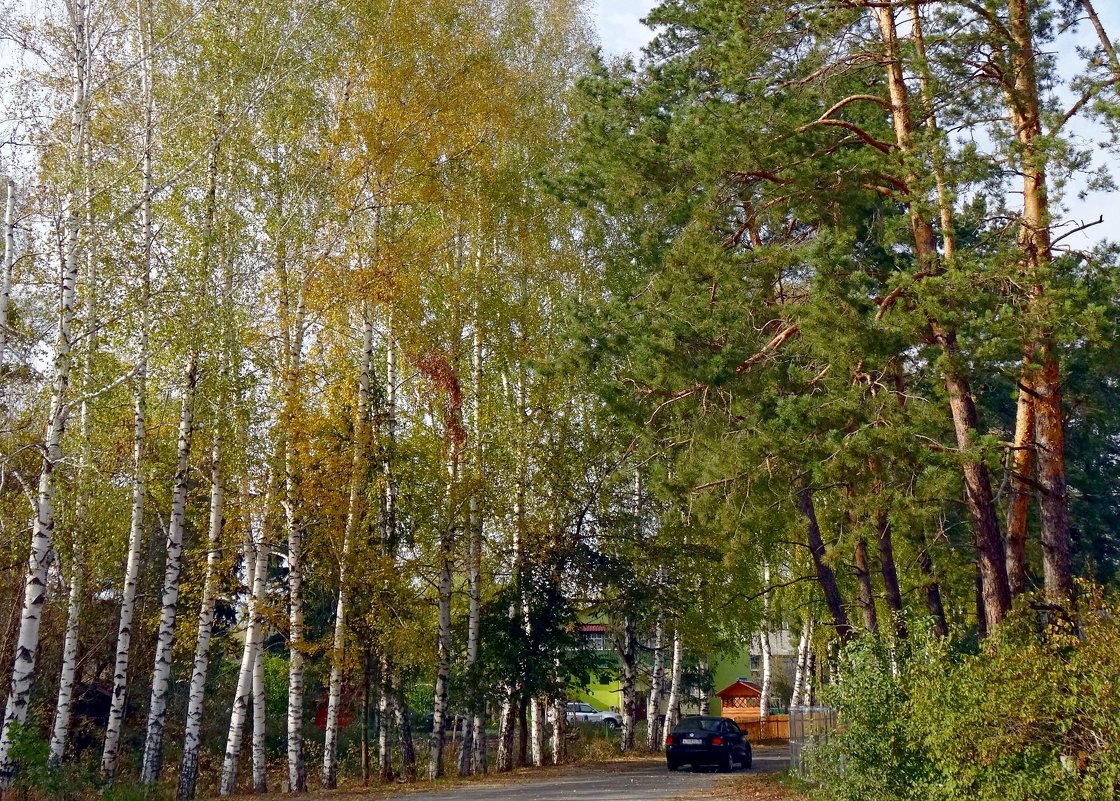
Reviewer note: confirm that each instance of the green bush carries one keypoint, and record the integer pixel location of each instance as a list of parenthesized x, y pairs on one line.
[(1032, 713)]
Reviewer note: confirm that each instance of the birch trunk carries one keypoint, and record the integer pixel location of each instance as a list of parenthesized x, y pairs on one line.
[(385, 712), (404, 730), (68, 673), (705, 697), (255, 569), (42, 530), (188, 764), (297, 770), (654, 735), (260, 762), (764, 637), (472, 750), (628, 656), (559, 731), (536, 731), (673, 711), (8, 267), (799, 675), (353, 513), (506, 725), (443, 660), (165, 639), (978, 488)]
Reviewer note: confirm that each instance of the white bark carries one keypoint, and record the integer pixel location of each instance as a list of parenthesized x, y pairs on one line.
[(799, 677), (472, 750), (353, 513), (764, 639), (61, 729), (188, 765), (8, 266), (653, 705), (243, 695), (559, 732), (169, 604), (673, 711), (536, 731), (297, 771), (443, 659), (260, 587), (35, 583)]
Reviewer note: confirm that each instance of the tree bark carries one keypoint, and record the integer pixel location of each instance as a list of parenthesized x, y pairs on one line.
[(628, 654), (866, 592), (978, 489), (1022, 470), (673, 710), (764, 641), (825, 577), (8, 267), (890, 575), (404, 729), (470, 752), (165, 639), (654, 735), (940, 626), (536, 731), (353, 513)]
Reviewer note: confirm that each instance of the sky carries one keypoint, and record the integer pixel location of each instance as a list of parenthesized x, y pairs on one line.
[(617, 21)]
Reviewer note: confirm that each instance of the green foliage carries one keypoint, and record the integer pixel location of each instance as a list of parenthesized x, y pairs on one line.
[(1033, 713)]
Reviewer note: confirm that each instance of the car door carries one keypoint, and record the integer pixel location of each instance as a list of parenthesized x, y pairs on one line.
[(737, 739), (586, 713)]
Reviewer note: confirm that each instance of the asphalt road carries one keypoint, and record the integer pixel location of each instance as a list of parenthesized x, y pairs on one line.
[(644, 780)]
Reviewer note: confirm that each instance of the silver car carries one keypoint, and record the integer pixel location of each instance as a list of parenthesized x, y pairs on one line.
[(579, 712)]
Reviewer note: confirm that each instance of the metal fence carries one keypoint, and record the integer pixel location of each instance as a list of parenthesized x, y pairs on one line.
[(809, 726)]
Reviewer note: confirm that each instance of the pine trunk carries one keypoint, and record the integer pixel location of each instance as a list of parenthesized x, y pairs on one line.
[(978, 488), (890, 575), (1022, 474), (825, 576), (866, 592), (1035, 241), (169, 604), (940, 626)]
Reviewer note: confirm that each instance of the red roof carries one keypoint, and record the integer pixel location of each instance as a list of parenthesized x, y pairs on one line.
[(592, 628), (741, 688)]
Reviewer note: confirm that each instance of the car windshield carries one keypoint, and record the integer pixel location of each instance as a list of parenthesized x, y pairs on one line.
[(697, 723)]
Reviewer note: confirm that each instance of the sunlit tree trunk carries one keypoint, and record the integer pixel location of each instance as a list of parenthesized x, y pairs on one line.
[(353, 513), (472, 749), (7, 267), (169, 605), (654, 736), (628, 656), (978, 488), (801, 671), (764, 642), (42, 530), (385, 712), (559, 731), (1022, 476), (673, 710), (243, 694)]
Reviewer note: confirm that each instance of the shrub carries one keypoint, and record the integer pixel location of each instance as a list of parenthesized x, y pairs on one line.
[(1032, 713)]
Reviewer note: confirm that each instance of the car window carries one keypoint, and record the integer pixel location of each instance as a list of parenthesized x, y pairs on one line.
[(586, 708), (695, 723), (732, 727)]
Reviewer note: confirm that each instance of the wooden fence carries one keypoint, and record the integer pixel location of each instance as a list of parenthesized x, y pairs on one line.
[(777, 726)]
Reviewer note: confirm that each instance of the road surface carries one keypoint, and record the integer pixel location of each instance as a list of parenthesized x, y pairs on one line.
[(633, 780)]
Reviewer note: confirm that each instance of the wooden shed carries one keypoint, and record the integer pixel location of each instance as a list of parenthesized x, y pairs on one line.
[(739, 700)]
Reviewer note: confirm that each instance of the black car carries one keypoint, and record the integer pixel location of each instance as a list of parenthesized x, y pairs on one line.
[(704, 740)]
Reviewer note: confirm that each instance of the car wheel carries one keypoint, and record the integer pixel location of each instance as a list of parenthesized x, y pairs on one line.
[(725, 763), (673, 764), (611, 723), (748, 762)]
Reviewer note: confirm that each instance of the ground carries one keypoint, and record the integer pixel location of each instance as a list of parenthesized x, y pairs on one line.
[(640, 779)]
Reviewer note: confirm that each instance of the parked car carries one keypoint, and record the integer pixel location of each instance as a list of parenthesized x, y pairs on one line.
[(706, 740), (579, 712)]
